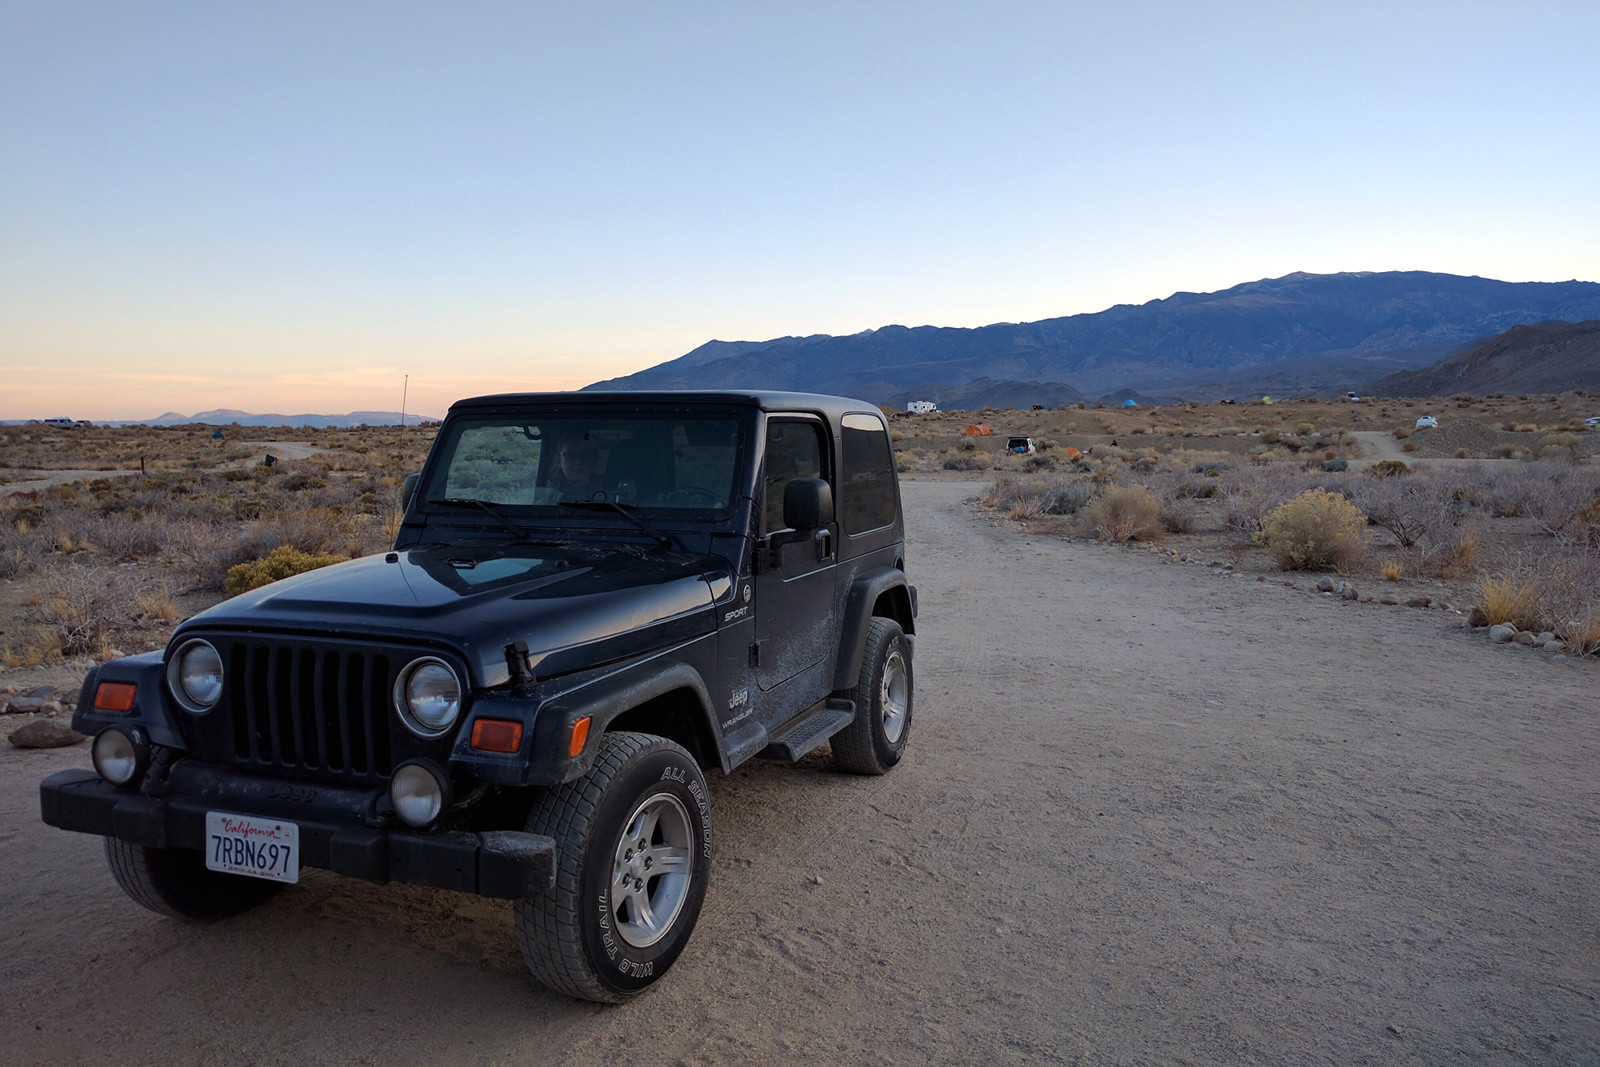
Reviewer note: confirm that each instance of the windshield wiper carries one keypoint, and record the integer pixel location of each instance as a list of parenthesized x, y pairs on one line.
[(626, 511), (492, 509)]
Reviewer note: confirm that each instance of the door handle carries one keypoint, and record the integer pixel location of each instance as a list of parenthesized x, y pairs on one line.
[(824, 539)]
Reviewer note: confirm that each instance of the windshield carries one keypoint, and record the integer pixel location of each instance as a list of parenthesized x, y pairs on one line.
[(669, 462)]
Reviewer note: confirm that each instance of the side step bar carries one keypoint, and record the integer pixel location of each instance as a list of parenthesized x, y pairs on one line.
[(804, 733)]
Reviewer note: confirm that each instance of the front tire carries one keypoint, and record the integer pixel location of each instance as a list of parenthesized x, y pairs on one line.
[(633, 848), (176, 882), (876, 739)]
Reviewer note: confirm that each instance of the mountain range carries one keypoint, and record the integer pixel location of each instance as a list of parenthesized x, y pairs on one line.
[(1302, 333), (228, 416), (1548, 357)]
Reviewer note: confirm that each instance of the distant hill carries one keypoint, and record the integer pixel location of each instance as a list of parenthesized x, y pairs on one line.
[(988, 393), (1548, 357), (1296, 334), (228, 416)]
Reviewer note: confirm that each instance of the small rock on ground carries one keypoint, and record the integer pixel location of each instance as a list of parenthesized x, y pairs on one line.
[(44, 734)]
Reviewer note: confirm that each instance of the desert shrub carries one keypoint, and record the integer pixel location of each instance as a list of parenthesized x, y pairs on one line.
[(1314, 531), (1584, 528), (1400, 433), (1403, 506), (1391, 570), (1409, 446), (1066, 498), (1552, 492), (964, 462), (281, 562), (1039, 463), (1565, 445), (1305, 429), (1388, 468), (1178, 516), (1447, 550), (1123, 513), (81, 606)]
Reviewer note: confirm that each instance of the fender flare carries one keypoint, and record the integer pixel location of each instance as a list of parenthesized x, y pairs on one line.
[(864, 593), (151, 708), (602, 697)]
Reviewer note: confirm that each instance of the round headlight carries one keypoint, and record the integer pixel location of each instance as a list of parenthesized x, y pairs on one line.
[(117, 755), (417, 793), (429, 697), (195, 677)]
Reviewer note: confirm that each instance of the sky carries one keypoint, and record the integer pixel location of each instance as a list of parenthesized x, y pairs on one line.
[(328, 207)]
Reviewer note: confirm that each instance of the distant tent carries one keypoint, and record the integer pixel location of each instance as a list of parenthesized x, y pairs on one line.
[(1266, 400), (1130, 403), (979, 430), (217, 436), (1072, 453)]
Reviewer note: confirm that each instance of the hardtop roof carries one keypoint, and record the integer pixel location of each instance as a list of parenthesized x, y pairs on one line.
[(767, 400)]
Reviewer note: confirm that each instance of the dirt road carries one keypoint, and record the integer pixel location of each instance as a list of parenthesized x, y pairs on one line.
[(1150, 815)]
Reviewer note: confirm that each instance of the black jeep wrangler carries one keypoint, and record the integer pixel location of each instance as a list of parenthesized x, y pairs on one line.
[(592, 598)]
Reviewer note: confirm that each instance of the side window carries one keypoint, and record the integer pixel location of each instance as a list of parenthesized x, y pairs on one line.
[(794, 450), (866, 483)]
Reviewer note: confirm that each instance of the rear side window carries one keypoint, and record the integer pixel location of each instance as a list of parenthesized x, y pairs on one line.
[(866, 483)]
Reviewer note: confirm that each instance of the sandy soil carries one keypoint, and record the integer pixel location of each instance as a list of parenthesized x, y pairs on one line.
[(1149, 815)]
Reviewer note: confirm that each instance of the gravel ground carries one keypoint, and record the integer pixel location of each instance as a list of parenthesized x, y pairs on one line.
[(1149, 815)]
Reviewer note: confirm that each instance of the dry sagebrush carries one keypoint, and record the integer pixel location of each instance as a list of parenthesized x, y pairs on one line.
[(1317, 530)]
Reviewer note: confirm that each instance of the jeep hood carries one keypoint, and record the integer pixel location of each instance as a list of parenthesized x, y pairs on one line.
[(575, 606)]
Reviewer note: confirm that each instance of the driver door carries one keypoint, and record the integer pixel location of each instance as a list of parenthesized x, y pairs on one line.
[(794, 601)]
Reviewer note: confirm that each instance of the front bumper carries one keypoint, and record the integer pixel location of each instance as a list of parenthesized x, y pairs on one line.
[(334, 829)]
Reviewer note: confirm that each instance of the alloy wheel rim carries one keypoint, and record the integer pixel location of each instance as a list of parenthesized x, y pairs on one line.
[(651, 869), (894, 696)]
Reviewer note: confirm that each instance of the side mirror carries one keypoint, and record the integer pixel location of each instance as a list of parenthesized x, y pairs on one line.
[(409, 490), (807, 504)]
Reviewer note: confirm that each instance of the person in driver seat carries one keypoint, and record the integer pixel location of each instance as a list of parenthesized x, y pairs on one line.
[(573, 475)]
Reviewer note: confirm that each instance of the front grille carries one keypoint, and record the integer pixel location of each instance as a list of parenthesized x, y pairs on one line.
[(298, 710)]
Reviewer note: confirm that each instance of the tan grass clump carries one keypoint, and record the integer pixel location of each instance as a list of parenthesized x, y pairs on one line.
[(1511, 598), (1316, 530), (1391, 570), (281, 562)]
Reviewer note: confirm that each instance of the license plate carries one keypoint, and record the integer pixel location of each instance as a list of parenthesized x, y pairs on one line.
[(259, 848)]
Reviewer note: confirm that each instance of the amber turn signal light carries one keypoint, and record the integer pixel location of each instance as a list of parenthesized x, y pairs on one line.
[(580, 734), (114, 696), (496, 735)]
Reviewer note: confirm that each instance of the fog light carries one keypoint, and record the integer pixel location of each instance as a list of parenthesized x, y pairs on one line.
[(417, 792), (119, 756)]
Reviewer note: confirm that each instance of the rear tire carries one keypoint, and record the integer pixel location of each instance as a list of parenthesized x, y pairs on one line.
[(876, 739), (633, 857), (175, 882)]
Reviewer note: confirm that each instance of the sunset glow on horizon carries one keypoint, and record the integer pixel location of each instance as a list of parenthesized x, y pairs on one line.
[(296, 209)]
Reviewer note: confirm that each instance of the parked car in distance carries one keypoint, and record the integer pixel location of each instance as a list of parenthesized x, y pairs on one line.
[(1427, 422), (1353, 397), (1593, 422), (1020, 446)]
